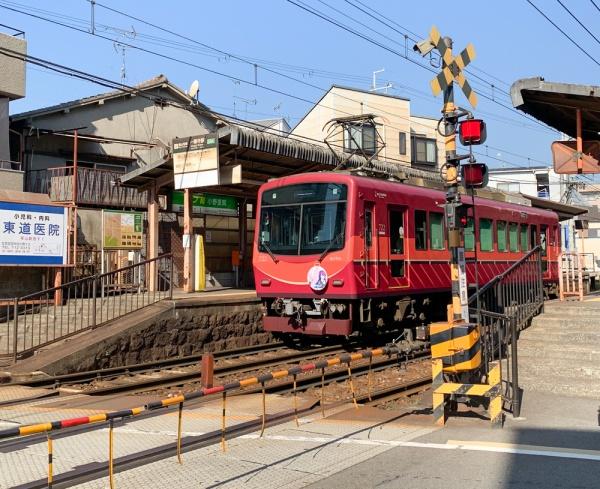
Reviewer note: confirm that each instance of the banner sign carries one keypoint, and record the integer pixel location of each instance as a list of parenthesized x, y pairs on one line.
[(218, 205), (32, 234), (122, 230), (196, 161)]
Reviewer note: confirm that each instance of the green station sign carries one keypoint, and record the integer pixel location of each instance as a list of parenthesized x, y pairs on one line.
[(218, 205)]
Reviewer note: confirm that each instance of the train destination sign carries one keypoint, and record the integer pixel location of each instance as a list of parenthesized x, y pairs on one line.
[(32, 234)]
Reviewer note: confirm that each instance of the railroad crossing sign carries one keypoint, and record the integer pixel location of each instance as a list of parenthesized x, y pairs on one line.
[(453, 67)]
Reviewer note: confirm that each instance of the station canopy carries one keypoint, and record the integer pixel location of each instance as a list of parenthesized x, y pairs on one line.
[(556, 104)]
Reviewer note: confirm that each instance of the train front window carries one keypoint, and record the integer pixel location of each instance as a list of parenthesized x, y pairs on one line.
[(303, 219)]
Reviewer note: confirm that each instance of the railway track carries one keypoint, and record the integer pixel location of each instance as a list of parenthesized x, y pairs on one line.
[(95, 471)]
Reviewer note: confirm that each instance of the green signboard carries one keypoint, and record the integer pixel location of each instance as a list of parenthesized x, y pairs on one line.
[(219, 205), (122, 230)]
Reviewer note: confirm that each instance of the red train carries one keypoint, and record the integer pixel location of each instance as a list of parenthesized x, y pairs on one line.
[(336, 253)]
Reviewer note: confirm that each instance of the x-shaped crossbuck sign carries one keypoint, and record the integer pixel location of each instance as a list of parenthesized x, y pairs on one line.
[(453, 67)]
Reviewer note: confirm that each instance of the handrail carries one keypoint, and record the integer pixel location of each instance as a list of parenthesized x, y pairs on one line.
[(500, 276), (95, 277)]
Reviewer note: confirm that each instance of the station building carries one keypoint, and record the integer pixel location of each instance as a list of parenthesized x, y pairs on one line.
[(115, 151)]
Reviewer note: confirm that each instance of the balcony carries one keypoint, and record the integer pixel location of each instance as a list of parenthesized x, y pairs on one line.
[(94, 187)]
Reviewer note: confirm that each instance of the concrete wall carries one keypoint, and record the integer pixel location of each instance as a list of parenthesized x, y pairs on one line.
[(12, 71), (11, 180)]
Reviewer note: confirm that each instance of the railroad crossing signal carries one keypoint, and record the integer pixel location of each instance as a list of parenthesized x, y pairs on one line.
[(453, 67)]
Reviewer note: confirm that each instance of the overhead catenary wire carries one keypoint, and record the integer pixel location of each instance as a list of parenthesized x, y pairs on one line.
[(564, 33), (578, 21), (323, 16), (215, 72)]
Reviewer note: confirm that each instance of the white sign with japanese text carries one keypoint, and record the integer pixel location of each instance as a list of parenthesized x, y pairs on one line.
[(32, 234)]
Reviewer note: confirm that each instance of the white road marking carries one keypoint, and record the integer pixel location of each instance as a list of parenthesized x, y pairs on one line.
[(476, 446)]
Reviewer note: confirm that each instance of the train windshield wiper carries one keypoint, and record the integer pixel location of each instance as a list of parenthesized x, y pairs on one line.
[(269, 251), (331, 243)]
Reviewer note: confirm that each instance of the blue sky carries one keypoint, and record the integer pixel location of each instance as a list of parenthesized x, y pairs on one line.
[(511, 39)]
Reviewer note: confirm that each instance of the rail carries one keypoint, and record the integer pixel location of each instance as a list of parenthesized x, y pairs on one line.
[(260, 380), (39, 319), (502, 308)]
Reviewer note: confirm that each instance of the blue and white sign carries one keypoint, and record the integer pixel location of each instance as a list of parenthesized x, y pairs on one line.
[(32, 234)]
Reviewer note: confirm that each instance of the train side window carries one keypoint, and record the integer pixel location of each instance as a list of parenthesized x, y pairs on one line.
[(501, 233), (470, 235), (533, 242), (420, 230), (544, 239), (524, 236), (436, 230), (397, 232), (368, 228), (486, 235), (513, 236)]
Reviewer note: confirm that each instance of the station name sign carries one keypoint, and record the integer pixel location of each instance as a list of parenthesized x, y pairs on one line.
[(217, 205), (196, 161)]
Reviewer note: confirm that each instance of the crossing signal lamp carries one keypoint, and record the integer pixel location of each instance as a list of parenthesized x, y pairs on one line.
[(472, 131), (474, 175)]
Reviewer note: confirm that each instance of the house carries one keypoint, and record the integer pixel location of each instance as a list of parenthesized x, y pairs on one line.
[(397, 136)]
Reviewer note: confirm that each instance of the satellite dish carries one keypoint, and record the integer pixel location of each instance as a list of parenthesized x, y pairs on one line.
[(194, 89)]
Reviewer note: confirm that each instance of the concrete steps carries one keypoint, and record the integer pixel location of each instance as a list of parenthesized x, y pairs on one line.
[(560, 351)]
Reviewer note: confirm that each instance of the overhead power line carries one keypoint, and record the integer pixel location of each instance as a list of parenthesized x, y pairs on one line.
[(412, 122), (323, 16), (563, 33), (578, 21)]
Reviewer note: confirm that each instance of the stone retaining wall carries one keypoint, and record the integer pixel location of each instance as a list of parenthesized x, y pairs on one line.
[(179, 331)]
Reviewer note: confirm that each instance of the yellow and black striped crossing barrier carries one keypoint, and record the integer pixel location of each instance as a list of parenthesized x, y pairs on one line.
[(492, 390)]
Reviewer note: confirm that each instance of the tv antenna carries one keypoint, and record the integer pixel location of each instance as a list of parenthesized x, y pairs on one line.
[(374, 87), (245, 101)]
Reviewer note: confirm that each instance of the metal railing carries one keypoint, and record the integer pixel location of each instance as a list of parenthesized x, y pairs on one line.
[(502, 308), (94, 186), (39, 319), (570, 275), (10, 165)]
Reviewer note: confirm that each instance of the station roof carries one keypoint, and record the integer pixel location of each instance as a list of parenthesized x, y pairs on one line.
[(264, 155), (555, 104), (564, 211)]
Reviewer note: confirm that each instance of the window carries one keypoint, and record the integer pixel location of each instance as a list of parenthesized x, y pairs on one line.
[(397, 243), (424, 151), (501, 233), (486, 235), (420, 230), (544, 239), (397, 232), (533, 240), (368, 228), (543, 185), (470, 235), (362, 136), (402, 143), (436, 230), (524, 243), (303, 219), (509, 186), (513, 236)]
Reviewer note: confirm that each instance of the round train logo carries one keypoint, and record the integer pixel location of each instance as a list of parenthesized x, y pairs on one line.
[(317, 278)]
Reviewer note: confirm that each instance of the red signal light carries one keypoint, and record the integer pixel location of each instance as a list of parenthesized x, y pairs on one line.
[(474, 175), (472, 131)]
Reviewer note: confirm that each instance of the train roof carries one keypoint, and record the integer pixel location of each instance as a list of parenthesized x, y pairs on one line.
[(390, 186)]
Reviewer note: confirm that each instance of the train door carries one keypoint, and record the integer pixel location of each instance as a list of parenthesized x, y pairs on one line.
[(544, 246), (371, 247), (397, 246)]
